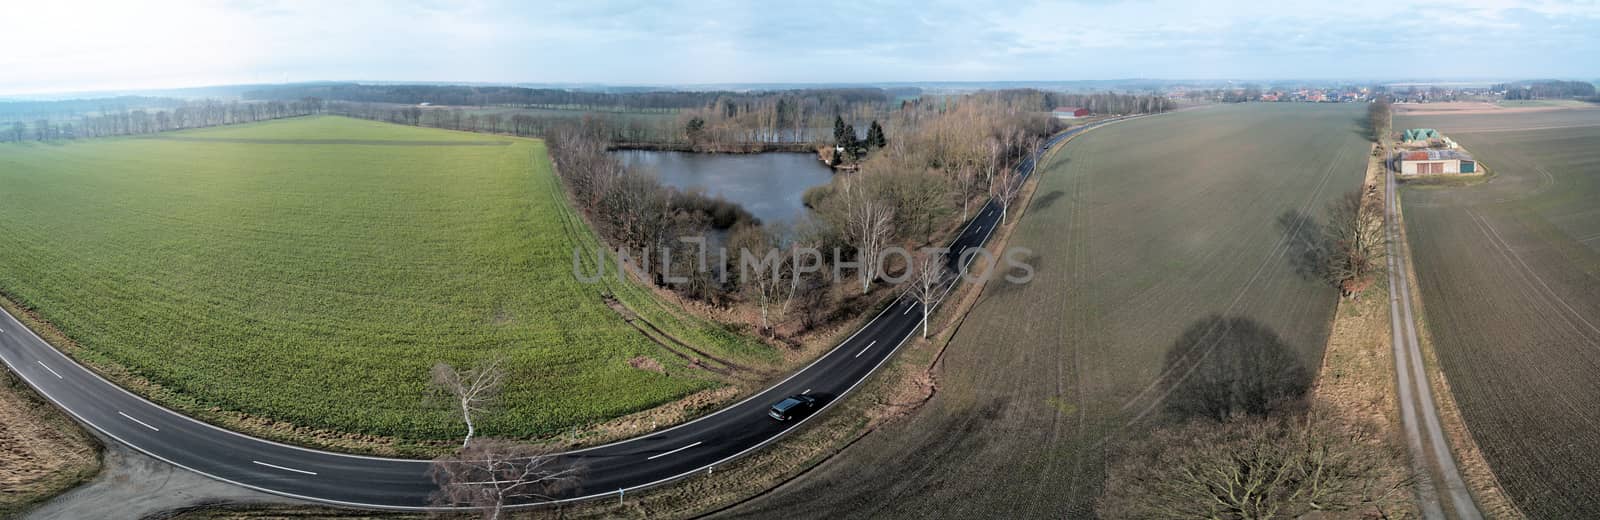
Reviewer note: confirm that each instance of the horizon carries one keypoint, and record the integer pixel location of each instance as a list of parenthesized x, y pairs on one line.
[(491, 42)]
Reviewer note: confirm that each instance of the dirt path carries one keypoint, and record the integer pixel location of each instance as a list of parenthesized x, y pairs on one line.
[(1444, 485)]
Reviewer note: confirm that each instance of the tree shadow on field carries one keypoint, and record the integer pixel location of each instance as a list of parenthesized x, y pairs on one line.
[(1223, 367), (1019, 277), (1308, 246), (1048, 199)]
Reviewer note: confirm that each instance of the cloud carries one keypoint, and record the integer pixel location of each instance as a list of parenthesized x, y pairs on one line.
[(83, 45)]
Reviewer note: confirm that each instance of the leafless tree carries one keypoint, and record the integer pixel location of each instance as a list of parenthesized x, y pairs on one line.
[(871, 226), (1006, 188), (929, 277), (473, 389), (1355, 240), (766, 272), (490, 474), (1257, 467)]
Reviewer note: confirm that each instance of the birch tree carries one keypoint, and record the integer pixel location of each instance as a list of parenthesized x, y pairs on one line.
[(929, 277), (473, 389), (871, 228), (490, 474), (1007, 186)]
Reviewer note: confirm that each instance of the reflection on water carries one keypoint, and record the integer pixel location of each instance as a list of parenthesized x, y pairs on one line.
[(769, 185)]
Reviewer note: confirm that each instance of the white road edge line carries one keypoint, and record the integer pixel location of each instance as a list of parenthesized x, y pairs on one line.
[(659, 455), (141, 423), (52, 370), (864, 349), (275, 466)]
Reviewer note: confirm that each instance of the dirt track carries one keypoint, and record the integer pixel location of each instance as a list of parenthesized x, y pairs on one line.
[(1511, 299)]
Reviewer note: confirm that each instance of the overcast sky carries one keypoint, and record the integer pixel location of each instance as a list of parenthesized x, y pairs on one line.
[(57, 45)]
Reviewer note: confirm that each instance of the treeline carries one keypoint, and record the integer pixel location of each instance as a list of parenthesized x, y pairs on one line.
[(1552, 89), (182, 115), (469, 95), (72, 108), (1101, 103)]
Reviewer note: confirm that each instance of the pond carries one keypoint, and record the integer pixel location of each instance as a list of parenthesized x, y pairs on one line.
[(769, 185)]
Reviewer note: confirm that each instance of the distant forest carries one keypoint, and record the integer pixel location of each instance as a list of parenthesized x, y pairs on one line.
[(469, 95), (31, 110), (1551, 89)]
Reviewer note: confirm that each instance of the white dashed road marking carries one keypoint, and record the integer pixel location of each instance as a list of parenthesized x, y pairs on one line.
[(659, 455), (275, 466), (869, 346), (141, 423), (52, 371)]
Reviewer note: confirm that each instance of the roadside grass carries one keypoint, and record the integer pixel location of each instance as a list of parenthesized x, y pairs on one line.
[(301, 291), (1142, 232), (1511, 297)]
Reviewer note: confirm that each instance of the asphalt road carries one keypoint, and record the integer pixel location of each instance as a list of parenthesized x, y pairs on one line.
[(1429, 449), (695, 447)]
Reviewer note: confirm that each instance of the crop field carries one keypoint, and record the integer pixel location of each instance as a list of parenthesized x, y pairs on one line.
[(311, 270), (1509, 273), (1164, 266)]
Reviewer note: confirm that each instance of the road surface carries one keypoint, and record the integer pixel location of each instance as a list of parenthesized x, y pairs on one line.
[(384, 483)]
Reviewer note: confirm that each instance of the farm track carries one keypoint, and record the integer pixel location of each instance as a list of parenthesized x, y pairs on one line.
[(1509, 279), (1430, 451)]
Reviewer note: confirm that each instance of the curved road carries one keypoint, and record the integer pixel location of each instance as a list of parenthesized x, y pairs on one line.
[(382, 483)]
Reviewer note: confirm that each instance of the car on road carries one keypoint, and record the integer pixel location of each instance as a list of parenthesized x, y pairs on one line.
[(792, 407)]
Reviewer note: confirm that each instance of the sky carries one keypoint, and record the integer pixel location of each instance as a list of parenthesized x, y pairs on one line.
[(65, 45)]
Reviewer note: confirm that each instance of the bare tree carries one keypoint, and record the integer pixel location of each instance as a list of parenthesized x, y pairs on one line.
[(1257, 467), (871, 228), (1006, 188), (929, 277), (766, 272), (1355, 240), (490, 474), (473, 389)]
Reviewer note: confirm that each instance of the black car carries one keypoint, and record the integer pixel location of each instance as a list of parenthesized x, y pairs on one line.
[(792, 407)]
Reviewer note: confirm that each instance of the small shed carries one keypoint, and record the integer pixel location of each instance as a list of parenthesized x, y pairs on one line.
[(1069, 112), (1433, 161)]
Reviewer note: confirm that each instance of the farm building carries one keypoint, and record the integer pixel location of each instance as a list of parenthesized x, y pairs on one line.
[(1428, 162), (1070, 112), (1419, 134)]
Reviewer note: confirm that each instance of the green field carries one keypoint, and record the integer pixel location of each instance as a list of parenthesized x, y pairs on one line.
[(1510, 282), (1143, 233), (311, 270)]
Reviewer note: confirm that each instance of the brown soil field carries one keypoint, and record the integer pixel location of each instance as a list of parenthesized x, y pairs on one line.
[(1509, 275), (1163, 259)]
